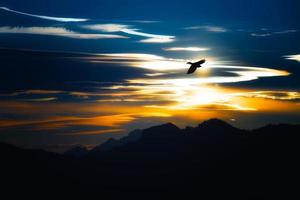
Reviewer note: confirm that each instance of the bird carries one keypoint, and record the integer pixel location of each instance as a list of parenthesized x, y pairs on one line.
[(194, 66)]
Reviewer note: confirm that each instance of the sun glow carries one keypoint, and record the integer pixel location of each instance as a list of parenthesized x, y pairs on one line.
[(163, 90), (166, 83), (203, 96)]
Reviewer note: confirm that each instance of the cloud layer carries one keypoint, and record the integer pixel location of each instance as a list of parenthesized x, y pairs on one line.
[(151, 38), (59, 19), (215, 29), (267, 34), (55, 31), (293, 57), (196, 49)]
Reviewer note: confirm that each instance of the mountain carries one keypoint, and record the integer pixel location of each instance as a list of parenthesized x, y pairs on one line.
[(162, 131), (213, 160), (167, 141), (112, 143), (216, 125), (77, 151)]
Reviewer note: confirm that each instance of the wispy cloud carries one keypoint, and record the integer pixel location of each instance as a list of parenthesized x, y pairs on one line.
[(238, 74), (260, 34), (107, 27), (151, 38), (293, 57), (32, 92), (41, 92), (275, 95), (216, 29), (56, 31), (158, 40), (135, 21), (144, 21), (159, 64), (42, 99), (97, 132), (186, 49), (163, 90), (285, 31), (60, 19), (55, 122), (270, 33), (145, 61)]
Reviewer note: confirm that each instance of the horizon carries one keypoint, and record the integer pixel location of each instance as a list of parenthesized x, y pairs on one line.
[(64, 150), (77, 72)]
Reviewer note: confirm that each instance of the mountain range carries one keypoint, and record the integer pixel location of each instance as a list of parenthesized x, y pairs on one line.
[(211, 161)]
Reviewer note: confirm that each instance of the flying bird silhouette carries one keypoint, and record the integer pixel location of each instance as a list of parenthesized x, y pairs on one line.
[(194, 66)]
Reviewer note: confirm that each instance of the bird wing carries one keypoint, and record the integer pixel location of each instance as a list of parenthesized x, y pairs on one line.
[(192, 69), (200, 62)]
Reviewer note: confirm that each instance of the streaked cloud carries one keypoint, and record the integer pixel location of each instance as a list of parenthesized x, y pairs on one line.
[(260, 34), (155, 74), (170, 91), (159, 63), (59, 19), (97, 132), (65, 121), (63, 116), (144, 21), (161, 86), (216, 29), (238, 74), (42, 99), (275, 95), (184, 93), (196, 49), (151, 38), (107, 27), (56, 31), (286, 31), (137, 56), (146, 61), (41, 91), (270, 33), (31, 92), (158, 40), (293, 57)]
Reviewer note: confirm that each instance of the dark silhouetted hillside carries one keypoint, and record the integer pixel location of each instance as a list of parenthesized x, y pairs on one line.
[(211, 161), (112, 143), (77, 151)]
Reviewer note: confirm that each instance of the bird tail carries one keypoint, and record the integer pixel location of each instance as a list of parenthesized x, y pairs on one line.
[(189, 63)]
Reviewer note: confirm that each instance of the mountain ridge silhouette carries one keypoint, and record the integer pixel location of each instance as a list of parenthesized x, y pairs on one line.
[(212, 160)]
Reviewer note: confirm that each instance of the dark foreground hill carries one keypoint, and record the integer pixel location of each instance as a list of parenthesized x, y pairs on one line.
[(211, 161)]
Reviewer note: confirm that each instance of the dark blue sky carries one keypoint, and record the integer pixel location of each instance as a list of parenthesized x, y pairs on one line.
[(232, 12), (78, 72)]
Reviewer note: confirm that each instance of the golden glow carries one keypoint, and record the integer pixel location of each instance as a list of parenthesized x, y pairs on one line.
[(97, 132), (193, 105), (57, 122), (171, 91), (164, 93), (275, 95)]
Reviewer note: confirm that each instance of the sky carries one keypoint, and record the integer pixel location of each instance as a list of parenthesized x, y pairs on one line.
[(80, 72)]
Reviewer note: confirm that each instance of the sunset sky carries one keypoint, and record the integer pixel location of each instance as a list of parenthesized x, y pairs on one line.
[(80, 72)]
